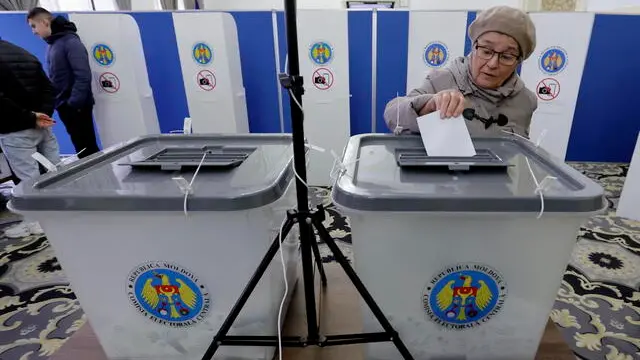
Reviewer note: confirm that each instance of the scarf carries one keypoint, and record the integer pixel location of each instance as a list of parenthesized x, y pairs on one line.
[(462, 73)]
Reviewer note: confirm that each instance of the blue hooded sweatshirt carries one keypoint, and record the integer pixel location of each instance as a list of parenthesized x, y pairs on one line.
[(69, 68)]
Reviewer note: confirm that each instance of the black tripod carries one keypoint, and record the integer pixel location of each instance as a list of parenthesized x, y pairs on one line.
[(307, 219)]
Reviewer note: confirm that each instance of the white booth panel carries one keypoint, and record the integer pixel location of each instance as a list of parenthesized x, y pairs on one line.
[(124, 108), (615, 6), (244, 5), (554, 72), (210, 61), (143, 5), (324, 64), (272, 4), (462, 4), (629, 205), (435, 39)]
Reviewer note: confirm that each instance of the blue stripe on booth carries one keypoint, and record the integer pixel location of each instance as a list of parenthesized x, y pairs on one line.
[(360, 67), (14, 29), (163, 66), (393, 52), (255, 35), (471, 15), (282, 41), (605, 122)]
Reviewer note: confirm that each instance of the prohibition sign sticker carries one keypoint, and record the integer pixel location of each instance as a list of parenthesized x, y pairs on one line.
[(206, 80), (322, 78), (548, 89), (109, 82)]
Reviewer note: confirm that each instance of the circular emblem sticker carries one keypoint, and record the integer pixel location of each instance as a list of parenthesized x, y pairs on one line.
[(168, 294), (464, 296), (321, 53), (553, 60), (436, 54), (103, 54), (202, 53)]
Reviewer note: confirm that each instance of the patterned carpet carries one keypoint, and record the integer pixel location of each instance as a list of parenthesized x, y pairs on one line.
[(597, 309)]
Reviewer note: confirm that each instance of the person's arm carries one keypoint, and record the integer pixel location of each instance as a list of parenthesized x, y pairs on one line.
[(79, 62), (12, 115), (401, 113)]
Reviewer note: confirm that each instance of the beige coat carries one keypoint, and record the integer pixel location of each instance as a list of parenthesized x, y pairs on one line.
[(513, 100)]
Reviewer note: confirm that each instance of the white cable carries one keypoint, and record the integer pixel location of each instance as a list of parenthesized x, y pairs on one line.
[(296, 101), (188, 188), (338, 167), (398, 128), (286, 290), (536, 144), (302, 111), (284, 267), (300, 178), (542, 185)]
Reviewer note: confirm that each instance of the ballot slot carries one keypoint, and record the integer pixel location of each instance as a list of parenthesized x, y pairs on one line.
[(417, 158), (180, 158)]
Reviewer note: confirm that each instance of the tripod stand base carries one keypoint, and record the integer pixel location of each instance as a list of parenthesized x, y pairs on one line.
[(311, 220), (296, 341)]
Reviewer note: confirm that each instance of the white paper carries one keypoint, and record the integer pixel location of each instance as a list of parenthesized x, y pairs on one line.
[(445, 137)]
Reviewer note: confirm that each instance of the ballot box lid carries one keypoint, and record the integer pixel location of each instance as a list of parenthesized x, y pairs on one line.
[(384, 172), (238, 172)]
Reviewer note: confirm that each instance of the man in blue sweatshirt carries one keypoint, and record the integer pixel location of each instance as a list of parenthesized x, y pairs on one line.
[(70, 73)]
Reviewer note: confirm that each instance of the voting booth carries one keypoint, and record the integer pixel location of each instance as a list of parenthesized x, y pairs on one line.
[(163, 265), (452, 248), (210, 63), (431, 48), (124, 107), (361, 60), (554, 73), (324, 64)]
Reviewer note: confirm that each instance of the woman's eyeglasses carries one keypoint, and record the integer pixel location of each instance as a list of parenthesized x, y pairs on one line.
[(504, 58)]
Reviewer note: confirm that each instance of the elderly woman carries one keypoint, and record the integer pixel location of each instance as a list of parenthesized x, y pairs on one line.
[(485, 81)]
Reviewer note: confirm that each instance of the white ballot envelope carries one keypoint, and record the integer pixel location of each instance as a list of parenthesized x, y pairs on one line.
[(445, 137)]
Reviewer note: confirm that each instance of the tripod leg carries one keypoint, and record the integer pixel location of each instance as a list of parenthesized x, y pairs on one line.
[(316, 254), (366, 296), (306, 238), (246, 293)]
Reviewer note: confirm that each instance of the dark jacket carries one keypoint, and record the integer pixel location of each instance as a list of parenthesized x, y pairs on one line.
[(68, 65), (24, 89)]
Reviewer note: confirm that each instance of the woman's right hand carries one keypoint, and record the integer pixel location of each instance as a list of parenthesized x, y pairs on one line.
[(450, 103)]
